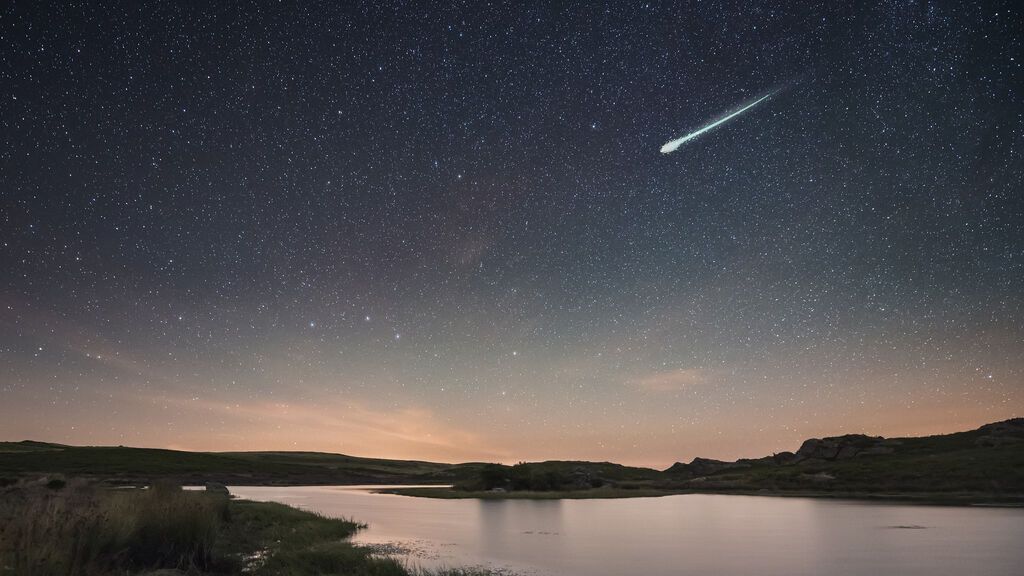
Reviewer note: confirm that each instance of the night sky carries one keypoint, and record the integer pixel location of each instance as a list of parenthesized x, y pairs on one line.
[(447, 233)]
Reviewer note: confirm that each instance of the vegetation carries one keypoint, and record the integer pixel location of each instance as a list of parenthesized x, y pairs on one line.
[(71, 520), (123, 465), (983, 465), (554, 476), (82, 529), (48, 528)]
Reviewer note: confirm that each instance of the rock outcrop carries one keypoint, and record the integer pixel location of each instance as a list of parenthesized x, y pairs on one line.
[(1008, 433), (843, 447), (812, 450), (703, 467), (1002, 433)]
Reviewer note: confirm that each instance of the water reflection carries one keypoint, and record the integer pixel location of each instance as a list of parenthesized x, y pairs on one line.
[(693, 534), (520, 531)]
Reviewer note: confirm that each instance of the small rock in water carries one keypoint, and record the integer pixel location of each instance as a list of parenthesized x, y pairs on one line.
[(217, 488)]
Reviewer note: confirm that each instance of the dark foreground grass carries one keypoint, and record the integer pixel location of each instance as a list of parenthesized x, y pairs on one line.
[(56, 528), (79, 529)]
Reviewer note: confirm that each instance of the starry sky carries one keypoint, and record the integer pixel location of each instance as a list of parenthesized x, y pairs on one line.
[(446, 232)]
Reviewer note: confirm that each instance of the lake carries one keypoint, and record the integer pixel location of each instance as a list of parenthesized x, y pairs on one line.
[(676, 535)]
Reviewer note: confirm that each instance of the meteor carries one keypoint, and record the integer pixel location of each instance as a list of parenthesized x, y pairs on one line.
[(674, 144)]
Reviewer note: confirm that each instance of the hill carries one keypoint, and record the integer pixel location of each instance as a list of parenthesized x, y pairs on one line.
[(983, 464), (989, 460), (124, 465)]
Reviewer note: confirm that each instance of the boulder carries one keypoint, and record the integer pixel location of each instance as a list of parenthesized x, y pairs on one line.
[(217, 488), (841, 447)]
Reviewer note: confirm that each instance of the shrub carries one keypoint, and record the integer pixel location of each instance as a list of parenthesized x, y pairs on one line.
[(493, 476)]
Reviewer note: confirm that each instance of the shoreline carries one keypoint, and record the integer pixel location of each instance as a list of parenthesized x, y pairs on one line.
[(105, 531), (933, 499), (448, 492)]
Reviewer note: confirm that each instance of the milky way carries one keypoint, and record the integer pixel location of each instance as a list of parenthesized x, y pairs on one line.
[(440, 231)]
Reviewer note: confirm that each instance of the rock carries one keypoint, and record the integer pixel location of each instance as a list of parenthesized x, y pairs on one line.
[(763, 461), (783, 458), (818, 448), (217, 488), (830, 449), (1001, 433), (705, 466), (841, 447), (678, 468)]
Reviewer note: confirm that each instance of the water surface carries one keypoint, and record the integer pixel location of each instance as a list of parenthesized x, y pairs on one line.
[(677, 535)]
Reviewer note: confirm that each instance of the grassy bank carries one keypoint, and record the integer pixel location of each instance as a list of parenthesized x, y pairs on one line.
[(49, 528)]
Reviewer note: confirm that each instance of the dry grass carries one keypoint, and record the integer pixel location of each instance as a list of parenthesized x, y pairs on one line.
[(78, 529), (57, 528)]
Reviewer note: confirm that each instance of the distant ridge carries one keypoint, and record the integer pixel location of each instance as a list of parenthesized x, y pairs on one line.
[(988, 460)]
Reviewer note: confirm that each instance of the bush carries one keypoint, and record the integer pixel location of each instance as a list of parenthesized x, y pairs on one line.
[(533, 477), (493, 476)]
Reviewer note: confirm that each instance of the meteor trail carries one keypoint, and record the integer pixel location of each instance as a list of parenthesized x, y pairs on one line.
[(671, 146)]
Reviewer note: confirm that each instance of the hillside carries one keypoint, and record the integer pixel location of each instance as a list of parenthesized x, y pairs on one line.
[(122, 465), (987, 462)]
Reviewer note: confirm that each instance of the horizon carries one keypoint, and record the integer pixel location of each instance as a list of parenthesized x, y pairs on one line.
[(452, 234), (505, 462)]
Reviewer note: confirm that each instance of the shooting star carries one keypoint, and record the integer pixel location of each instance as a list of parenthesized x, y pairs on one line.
[(674, 144)]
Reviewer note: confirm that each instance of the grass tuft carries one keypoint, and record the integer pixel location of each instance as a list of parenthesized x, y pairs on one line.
[(82, 529)]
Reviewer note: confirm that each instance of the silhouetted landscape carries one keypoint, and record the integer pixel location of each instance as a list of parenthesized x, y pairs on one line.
[(80, 510), (986, 464), (545, 288)]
